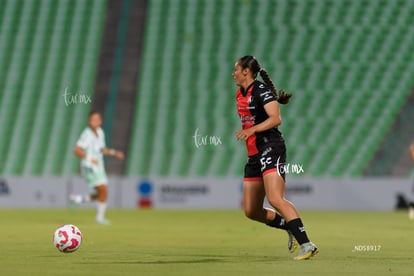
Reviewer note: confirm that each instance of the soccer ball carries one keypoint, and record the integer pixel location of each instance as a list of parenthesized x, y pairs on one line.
[(67, 238)]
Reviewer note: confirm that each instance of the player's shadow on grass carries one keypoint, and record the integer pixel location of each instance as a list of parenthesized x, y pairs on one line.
[(161, 262), (195, 259)]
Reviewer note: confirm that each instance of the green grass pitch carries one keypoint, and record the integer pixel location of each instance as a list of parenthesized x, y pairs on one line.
[(214, 242)]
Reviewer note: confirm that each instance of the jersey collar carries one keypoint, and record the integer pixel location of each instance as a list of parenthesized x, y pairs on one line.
[(244, 92)]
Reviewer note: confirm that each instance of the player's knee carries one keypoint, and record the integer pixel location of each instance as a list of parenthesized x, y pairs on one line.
[(102, 193), (277, 202), (251, 213)]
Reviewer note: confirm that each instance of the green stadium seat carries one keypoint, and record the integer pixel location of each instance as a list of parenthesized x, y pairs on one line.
[(340, 59), (46, 48), (337, 57)]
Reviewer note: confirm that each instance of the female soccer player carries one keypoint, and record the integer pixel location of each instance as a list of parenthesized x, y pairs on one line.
[(91, 148), (258, 108)]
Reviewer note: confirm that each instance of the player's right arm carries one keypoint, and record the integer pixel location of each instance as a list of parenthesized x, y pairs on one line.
[(412, 149), (79, 152), (80, 145)]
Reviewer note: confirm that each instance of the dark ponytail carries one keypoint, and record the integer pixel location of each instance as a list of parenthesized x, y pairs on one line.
[(254, 66), (282, 96)]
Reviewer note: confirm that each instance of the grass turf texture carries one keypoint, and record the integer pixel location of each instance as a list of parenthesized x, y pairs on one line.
[(168, 242)]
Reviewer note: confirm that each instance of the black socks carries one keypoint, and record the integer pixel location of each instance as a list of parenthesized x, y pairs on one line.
[(295, 226), (278, 222)]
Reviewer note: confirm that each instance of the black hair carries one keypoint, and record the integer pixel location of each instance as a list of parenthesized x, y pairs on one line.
[(93, 112), (254, 66)]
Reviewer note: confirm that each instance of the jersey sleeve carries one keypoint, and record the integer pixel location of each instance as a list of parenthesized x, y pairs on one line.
[(265, 95), (83, 140)]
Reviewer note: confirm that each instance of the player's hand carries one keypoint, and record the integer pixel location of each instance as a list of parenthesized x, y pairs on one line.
[(93, 161), (120, 155), (244, 134)]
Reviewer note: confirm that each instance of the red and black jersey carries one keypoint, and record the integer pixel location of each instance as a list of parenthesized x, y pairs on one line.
[(250, 107)]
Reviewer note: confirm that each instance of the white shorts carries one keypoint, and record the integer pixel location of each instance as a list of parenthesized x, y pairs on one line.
[(94, 176)]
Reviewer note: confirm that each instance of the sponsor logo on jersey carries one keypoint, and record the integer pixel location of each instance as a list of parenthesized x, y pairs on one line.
[(250, 99), (247, 119)]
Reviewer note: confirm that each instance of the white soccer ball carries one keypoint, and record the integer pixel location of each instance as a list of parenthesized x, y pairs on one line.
[(67, 238)]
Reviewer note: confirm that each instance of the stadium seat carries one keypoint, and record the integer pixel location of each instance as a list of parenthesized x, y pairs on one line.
[(44, 49), (347, 63), (340, 59)]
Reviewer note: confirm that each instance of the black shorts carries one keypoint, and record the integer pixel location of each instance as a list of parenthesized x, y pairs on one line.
[(271, 158)]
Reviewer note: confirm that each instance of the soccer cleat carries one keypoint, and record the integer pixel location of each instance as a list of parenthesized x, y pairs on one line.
[(74, 201), (292, 242), (103, 222), (307, 250), (411, 212)]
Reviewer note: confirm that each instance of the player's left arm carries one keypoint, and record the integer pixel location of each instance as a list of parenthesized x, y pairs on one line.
[(113, 152), (273, 112)]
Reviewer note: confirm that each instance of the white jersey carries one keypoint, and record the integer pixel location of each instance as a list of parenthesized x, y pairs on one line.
[(93, 145)]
